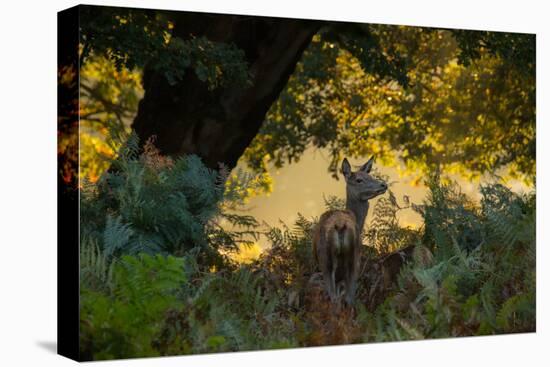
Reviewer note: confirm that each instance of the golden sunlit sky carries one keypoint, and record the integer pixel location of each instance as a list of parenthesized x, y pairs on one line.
[(299, 188)]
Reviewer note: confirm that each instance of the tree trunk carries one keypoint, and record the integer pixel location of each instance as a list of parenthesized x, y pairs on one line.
[(218, 125)]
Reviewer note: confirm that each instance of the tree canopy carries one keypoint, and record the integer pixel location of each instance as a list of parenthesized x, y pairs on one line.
[(454, 100), (465, 103)]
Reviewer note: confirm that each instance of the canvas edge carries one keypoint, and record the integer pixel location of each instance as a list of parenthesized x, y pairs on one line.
[(68, 274)]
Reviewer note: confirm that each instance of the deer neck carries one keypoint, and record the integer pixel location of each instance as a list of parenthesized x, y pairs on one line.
[(360, 208)]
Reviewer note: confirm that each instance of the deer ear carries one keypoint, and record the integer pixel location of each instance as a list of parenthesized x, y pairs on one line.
[(368, 166), (346, 168)]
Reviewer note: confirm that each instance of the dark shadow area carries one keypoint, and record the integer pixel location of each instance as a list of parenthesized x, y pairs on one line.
[(50, 346)]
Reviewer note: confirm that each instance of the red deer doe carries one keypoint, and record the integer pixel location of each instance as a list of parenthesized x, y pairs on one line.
[(337, 236)]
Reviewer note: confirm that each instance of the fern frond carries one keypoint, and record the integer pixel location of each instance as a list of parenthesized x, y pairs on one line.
[(96, 270), (116, 235)]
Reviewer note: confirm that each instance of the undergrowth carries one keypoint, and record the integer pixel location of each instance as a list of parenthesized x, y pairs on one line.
[(157, 278)]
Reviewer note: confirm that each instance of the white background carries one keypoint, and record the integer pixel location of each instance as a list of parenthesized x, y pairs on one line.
[(28, 182)]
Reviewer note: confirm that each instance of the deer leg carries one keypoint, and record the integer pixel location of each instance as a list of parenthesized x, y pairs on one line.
[(331, 279), (334, 290), (351, 279), (350, 290), (327, 271), (327, 277)]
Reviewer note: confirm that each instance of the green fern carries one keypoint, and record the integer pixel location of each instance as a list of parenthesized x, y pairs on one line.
[(146, 203), (116, 236), (96, 271), (517, 313)]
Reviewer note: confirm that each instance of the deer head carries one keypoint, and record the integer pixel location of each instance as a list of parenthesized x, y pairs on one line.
[(360, 188), (360, 185)]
